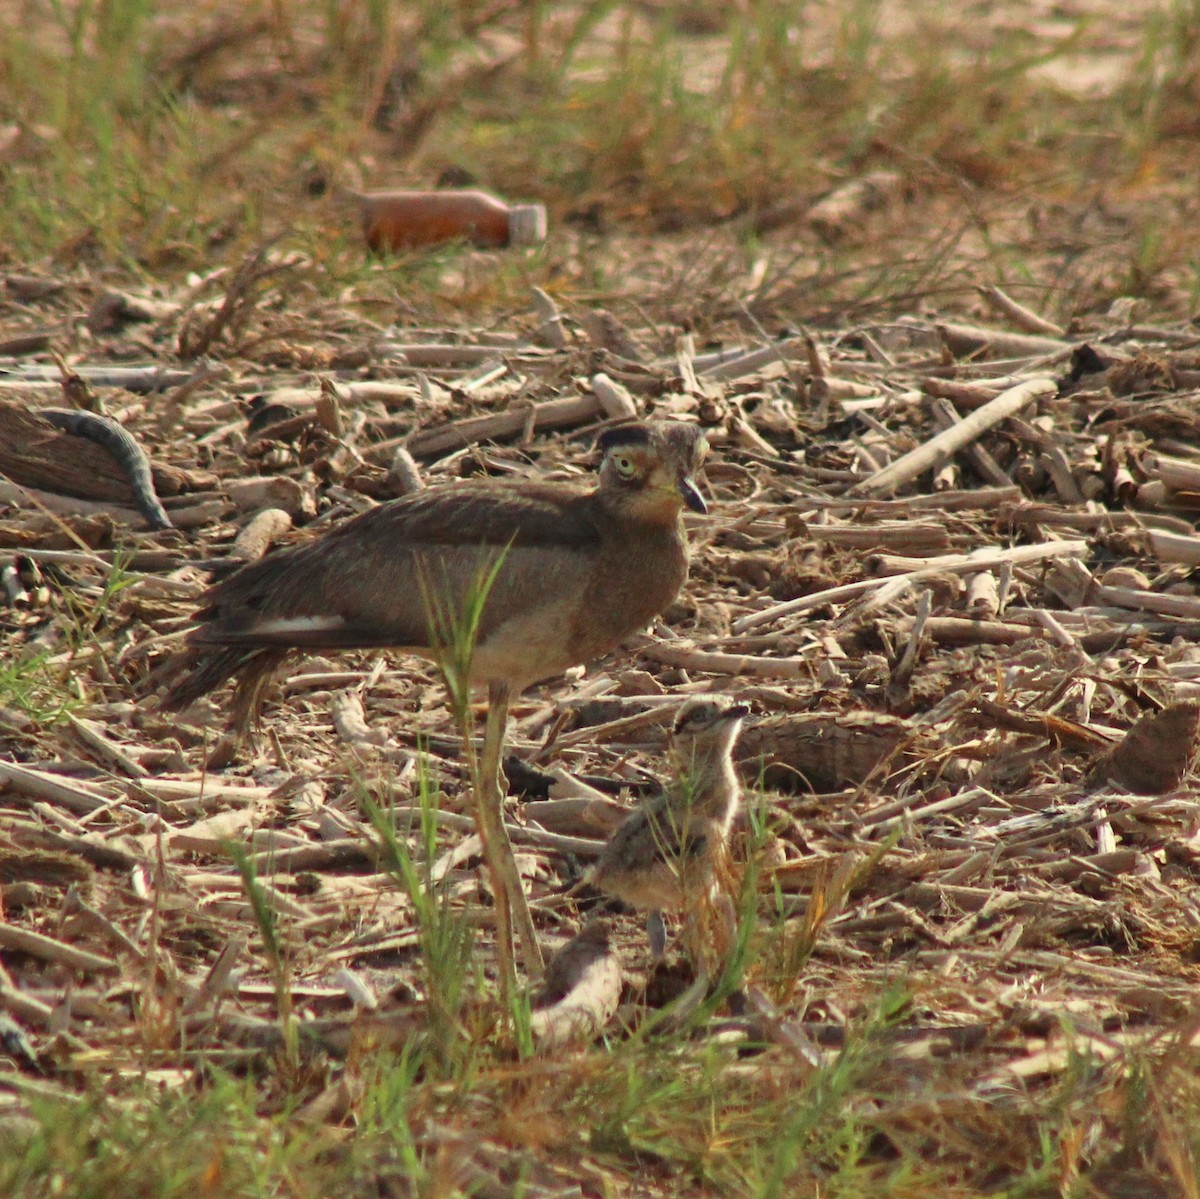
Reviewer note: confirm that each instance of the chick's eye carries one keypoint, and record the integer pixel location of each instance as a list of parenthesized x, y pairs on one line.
[(624, 465)]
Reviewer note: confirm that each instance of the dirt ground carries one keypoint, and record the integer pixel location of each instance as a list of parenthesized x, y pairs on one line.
[(950, 563), (974, 683)]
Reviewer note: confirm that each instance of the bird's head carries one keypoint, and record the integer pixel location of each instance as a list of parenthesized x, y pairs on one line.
[(650, 467), (705, 728)]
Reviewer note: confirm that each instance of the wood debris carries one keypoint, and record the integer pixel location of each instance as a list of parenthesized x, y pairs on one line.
[(973, 744)]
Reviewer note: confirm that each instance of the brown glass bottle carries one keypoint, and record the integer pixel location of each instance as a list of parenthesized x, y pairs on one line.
[(408, 220)]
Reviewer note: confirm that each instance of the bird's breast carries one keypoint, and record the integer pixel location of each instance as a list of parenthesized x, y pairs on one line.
[(560, 610), (637, 578)]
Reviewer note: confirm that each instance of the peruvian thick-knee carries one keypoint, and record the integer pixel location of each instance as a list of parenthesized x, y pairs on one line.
[(564, 573)]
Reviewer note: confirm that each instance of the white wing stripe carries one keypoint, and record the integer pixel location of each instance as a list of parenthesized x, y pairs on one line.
[(284, 625)]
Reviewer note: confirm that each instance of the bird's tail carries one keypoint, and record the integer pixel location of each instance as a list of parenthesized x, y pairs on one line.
[(195, 672)]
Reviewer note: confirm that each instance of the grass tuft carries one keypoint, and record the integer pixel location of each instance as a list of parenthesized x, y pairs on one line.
[(445, 928), (34, 686)]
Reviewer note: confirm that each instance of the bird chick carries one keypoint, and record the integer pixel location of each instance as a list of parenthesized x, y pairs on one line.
[(667, 855)]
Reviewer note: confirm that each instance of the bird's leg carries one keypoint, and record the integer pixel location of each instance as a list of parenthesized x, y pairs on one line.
[(506, 881), (656, 930), (710, 932), (726, 932), (489, 821)]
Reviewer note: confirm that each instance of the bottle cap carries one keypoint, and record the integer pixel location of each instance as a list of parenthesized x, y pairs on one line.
[(526, 224)]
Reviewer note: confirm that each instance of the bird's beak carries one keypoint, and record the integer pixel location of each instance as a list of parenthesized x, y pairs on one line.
[(691, 494), (737, 712)]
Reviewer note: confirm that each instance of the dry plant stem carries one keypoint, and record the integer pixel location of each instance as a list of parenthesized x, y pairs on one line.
[(350, 721), (1186, 606), (24, 1007), (983, 498), (903, 536), (961, 630), (1172, 547), (950, 441), (140, 379), (945, 477), (1045, 960), (1029, 321), (550, 414), (47, 948), (1058, 466), (908, 659), (1180, 474), (612, 729), (913, 570), (18, 497), (535, 838), (947, 417), (511, 903), (550, 332), (1055, 629), (966, 395), (260, 534), (75, 797), (101, 559), (721, 366), (745, 435), (92, 735), (1176, 473), (972, 339), (218, 978), (887, 816), (84, 915), (733, 664), (1028, 512), (613, 398), (983, 594), (985, 559), (434, 354)]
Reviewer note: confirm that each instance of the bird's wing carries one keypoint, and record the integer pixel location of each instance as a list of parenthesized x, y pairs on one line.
[(366, 583), (655, 834)]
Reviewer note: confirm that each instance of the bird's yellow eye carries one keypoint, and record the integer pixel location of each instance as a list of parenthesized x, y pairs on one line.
[(625, 466)]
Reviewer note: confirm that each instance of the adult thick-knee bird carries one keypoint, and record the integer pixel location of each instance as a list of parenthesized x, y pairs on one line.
[(562, 576), (668, 853)]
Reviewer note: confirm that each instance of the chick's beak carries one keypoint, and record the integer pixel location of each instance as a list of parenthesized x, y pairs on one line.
[(691, 494)]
